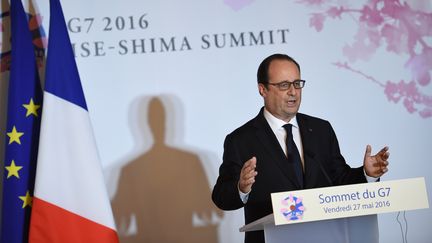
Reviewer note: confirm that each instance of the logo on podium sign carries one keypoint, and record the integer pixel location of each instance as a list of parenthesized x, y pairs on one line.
[(292, 208)]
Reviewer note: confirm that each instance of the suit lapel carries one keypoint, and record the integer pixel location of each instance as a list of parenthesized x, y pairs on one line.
[(272, 147), (311, 169)]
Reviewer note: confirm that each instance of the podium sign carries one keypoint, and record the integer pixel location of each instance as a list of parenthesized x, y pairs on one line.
[(348, 201)]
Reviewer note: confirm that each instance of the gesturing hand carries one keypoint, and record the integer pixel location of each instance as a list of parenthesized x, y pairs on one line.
[(376, 165), (247, 175)]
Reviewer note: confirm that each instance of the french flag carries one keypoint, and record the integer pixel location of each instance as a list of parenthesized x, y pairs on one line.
[(70, 201)]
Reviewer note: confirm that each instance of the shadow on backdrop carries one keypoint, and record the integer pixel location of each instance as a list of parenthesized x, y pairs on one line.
[(163, 195)]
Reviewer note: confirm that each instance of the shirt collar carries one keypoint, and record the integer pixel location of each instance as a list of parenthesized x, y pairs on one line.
[(276, 123)]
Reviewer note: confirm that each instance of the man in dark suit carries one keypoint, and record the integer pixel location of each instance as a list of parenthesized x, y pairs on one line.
[(258, 159)]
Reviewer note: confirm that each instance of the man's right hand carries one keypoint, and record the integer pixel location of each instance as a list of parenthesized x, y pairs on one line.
[(247, 175)]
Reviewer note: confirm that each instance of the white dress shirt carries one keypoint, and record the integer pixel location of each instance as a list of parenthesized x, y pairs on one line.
[(277, 127)]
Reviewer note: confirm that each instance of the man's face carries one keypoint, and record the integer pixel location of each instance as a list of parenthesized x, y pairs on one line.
[(282, 104)]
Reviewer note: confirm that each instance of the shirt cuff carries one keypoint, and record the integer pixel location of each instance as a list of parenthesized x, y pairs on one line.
[(243, 196), (370, 178)]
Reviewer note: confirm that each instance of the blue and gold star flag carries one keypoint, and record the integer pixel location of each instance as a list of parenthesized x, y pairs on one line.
[(22, 130)]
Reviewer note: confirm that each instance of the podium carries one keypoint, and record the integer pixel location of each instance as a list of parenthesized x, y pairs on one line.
[(338, 214), (358, 229)]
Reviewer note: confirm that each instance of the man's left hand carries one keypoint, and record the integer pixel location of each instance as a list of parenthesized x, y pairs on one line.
[(376, 165)]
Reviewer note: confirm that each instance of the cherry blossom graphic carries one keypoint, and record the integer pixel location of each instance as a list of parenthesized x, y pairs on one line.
[(402, 30), (238, 4)]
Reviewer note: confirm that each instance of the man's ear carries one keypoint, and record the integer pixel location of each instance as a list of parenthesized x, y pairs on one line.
[(261, 89)]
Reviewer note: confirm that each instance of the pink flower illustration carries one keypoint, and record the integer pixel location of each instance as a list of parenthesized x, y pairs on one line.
[(402, 30)]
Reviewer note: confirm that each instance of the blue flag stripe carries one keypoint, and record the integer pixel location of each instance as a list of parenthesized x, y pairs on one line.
[(62, 78)]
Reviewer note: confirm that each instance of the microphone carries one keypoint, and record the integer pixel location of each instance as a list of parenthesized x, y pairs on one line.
[(311, 155)]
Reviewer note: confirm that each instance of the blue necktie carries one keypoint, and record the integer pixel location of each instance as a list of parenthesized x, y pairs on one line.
[(293, 154)]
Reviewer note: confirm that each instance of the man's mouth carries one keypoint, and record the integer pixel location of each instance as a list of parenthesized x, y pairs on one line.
[(291, 101)]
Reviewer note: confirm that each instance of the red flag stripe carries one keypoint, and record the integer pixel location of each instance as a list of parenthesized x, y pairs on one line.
[(63, 226)]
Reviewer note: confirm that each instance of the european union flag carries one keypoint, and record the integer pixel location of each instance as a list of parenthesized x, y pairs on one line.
[(22, 130)]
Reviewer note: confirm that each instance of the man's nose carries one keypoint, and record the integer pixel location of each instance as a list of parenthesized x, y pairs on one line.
[(291, 90)]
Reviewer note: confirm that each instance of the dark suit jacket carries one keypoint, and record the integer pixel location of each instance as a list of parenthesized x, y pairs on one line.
[(323, 165)]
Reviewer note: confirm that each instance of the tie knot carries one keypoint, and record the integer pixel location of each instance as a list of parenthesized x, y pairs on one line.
[(288, 128)]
